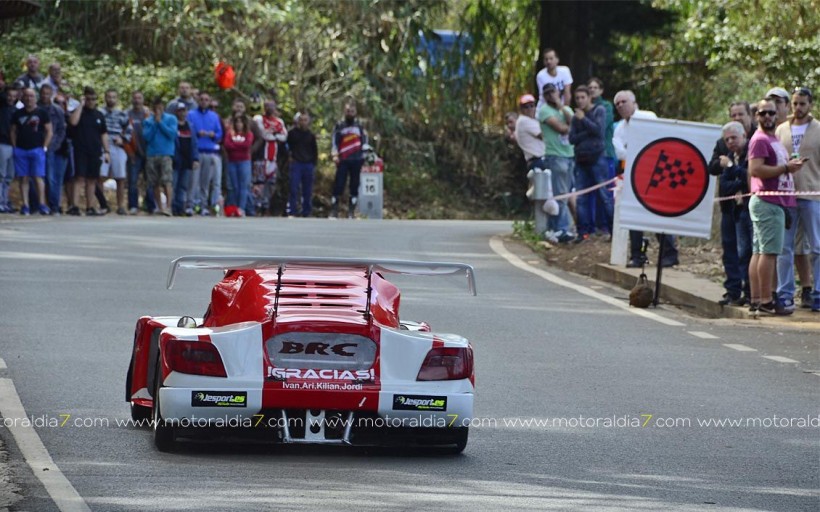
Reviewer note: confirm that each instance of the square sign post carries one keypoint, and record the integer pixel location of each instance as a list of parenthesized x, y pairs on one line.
[(371, 190), (667, 187)]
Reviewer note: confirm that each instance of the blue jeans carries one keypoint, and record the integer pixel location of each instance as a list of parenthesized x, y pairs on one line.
[(301, 175), (806, 214), (239, 176), (55, 175), (562, 173), (136, 165), (731, 261), (743, 234), (181, 184), (587, 176), (6, 172)]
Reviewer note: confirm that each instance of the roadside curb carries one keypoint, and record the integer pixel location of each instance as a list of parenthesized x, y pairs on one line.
[(697, 295)]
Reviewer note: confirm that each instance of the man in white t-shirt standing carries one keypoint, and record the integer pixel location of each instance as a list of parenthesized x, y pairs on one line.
[(552, 73)]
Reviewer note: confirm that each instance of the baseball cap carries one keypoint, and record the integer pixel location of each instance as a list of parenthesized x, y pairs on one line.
[(527, 98), (180, 106), (777, 92), (549, 86)]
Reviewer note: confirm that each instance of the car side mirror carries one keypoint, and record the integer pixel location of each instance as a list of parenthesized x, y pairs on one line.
[(187, 322)]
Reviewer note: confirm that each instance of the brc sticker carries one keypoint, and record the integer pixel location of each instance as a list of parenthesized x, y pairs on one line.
[(219, 399), (419, 403)]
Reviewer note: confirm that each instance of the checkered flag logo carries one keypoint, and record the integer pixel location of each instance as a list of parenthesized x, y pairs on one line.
[(673, 172)]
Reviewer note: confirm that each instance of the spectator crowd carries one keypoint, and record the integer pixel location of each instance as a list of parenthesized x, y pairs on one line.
[(165, 157), (767, 163)]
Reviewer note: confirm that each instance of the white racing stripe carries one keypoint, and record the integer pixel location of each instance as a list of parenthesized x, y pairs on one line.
[(31, 446), (498, 246)]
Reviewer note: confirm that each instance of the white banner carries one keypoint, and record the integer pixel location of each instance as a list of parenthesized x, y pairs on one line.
[(667, 187)]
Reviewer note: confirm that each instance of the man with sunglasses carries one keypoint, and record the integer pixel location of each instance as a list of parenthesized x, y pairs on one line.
[(770, 170), (801, 135)]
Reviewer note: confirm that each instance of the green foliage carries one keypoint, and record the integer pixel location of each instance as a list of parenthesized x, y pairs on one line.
[(720, 51), (525, 231), (100, 71)]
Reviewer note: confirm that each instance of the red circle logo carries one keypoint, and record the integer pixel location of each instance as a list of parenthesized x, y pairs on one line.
[(670, 177)]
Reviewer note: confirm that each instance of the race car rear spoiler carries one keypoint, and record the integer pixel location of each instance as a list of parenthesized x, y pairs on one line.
[(407, 267)]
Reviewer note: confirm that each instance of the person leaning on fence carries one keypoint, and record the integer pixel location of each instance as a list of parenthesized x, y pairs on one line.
[(555, 118), (587, 134)]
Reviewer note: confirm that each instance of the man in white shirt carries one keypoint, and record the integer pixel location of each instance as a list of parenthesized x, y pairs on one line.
[(552, 73), (627, 108)]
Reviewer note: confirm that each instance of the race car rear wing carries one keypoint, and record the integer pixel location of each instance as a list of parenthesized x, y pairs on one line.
[(406, 267)]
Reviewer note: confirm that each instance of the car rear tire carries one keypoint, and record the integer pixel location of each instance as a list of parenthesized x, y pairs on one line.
[(458, 442), (140, 413), (164, 436)]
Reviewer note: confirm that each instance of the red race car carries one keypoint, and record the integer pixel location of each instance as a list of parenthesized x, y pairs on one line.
[(304, 350)]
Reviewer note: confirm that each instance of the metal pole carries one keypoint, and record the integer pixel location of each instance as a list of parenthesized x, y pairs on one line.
[(659, 271)]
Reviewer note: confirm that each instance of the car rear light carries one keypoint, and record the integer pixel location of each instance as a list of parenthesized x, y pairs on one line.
[(194, 357), (447, 363)]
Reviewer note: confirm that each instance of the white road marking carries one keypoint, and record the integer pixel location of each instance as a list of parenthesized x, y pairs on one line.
[(704, 335), (31, 446), (739, 348), (498, 246), (2, 364), (781, 359)]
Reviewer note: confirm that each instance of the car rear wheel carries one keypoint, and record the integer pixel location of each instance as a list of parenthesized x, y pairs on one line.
[(140, 413), (458, 442), (164, 436)]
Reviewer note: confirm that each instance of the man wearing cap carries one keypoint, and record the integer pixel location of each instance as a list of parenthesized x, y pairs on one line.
[(186, 159), (554, 118), (529, 133), (771, 170), (781, 101), (801, 135)]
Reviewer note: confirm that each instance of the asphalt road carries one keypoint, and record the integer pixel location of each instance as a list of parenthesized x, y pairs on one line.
[(619, 396)]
